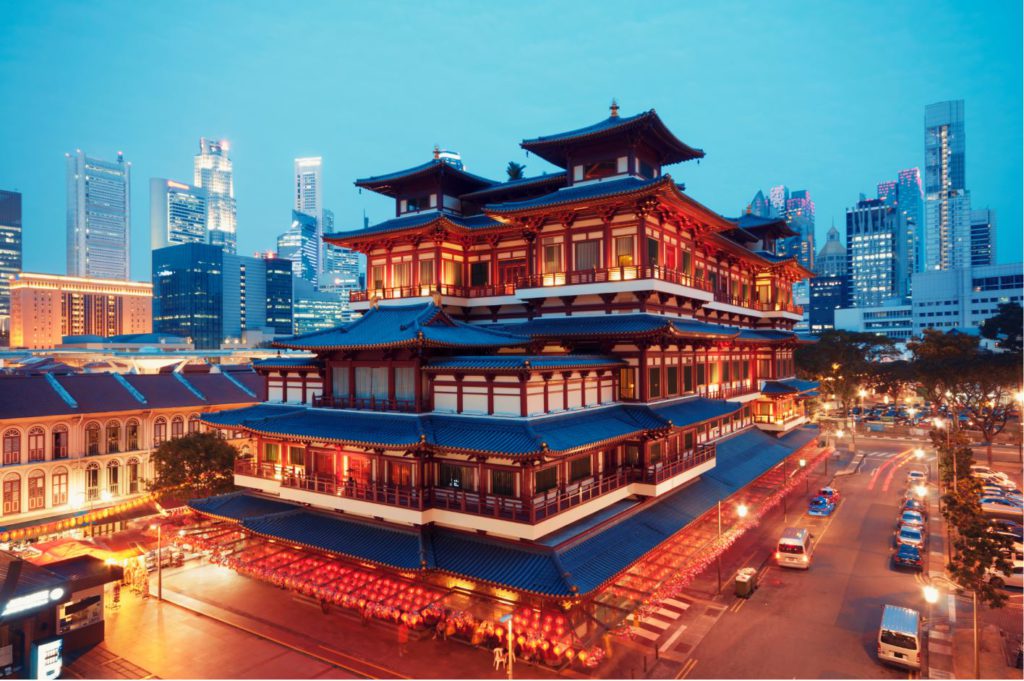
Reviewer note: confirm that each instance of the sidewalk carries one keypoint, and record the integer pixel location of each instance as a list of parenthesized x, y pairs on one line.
[(335, 637)]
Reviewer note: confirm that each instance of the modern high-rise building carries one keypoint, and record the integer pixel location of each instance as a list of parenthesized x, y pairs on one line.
[(177, 213), (983, 237), (947, 242), (905, 197), (300, 245), (876, 247), (826, 295), (316, 310), (800, 216), (47, 307), (10, 252), (777, 198), (202, 292), (212, 171), (98, 216), (309, 198), (831, 260)]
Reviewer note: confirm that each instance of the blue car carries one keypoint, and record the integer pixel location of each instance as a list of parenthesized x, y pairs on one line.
[(907, 556), (821, 506)]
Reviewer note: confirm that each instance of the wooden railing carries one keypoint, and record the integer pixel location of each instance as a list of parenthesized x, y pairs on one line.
[(612, 274), (367, 403), (540, 507), (725, 393)]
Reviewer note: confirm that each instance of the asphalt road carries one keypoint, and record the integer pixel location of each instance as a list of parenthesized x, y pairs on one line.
[(823, 622)]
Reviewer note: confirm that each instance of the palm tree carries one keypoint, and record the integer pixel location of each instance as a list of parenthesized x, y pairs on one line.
[(515, 170)]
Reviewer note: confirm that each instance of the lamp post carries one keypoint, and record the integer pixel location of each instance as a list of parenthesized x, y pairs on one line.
[(511, 656), (807, 482), (159, 561), (718, 560), (785, 479)]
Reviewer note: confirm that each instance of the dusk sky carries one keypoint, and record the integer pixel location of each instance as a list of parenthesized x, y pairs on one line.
[(823, 96)]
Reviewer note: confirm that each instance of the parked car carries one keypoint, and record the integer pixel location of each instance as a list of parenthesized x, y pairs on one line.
[(830, 493), (1000, 506), (914, 536), (915, 504), (821, 506), (1014, 579), (906, 555), (910, 519), (1010, 528)]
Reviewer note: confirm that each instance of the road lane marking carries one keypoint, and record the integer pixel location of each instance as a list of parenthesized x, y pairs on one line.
[(655, 622), (878, 471), (687, 668), (897, 462), (738, 604), (676, 604), (649, 635)]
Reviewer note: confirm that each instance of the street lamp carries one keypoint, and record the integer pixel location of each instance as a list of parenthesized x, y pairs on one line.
[(918, 453), (159, 561), (511, 655), (741, 510), (931, 595), (807, 482)]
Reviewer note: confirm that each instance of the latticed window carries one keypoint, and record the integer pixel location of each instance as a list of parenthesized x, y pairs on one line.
[(60, 442), (92, 439), (545, 479), (177, 427), (59, 484), (36, 490), (37, 444), (193, 423), (131, 436), (113, 437), (12, 494), (114, 478), (92, 482), (159, 431), (12, 447), (133, 476)]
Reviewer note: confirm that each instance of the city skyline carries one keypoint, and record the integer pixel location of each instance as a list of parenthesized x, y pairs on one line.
[(359, 125)]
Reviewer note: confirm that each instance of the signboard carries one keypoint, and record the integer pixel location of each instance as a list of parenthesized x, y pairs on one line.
[(32, 601), (46, 658)]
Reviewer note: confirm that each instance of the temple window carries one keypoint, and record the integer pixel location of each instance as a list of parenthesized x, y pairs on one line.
[(632, 456), (654, 381), (624, 251), (627, 384), (655, 452), (401, 275), (378, 277), (652, 252), (552, 257), (479, 273), (427, 272), (587, 255), (688, 379), (546, 479), (579, 468), (417, 203), (686, 261), (372, 382), (271, 452), (455, 477), (597, 169), (405, 384), (451, 273), (296, 456), (672, 380), (645, 169), (503, 483)]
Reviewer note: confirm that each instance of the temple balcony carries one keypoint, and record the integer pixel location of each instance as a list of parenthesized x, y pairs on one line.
[(779, 424), (613, 279), (487, 294), (364, 403), (510, 516)]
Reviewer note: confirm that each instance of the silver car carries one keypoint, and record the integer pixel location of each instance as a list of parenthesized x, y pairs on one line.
[(910, 519), (912, 536)]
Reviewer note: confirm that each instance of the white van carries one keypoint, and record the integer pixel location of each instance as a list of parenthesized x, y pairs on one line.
[(795, 548), (899, 637)]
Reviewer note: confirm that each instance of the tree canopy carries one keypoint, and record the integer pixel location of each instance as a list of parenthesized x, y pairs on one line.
[(515, 170), (197, 464), (1006, 328)]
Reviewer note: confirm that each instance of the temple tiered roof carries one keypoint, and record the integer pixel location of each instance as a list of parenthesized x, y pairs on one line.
[(645, 128), (390, 183), (414, 326)]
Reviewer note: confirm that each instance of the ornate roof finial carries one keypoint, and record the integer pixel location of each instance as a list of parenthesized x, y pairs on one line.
[(437, 152), (436, 297), (614, 108), (750, 209)]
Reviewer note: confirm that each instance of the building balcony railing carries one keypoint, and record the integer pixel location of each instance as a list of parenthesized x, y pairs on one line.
[(540, 507), (366, 403), (612, 274), (776, 420), (724, 392), (421, 290)]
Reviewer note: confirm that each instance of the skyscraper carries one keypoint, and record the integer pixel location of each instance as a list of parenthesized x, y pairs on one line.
[(213, 172), (800, 216), (983, 237), (177, 213), (10, 251), (777, 198), (831, 260), (911, 202), (947, 242), (203, 292), (309, 198), (98, 216), (300, 245), (876, 246)]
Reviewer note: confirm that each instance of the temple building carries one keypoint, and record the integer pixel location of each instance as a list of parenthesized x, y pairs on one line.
[(550, 376)]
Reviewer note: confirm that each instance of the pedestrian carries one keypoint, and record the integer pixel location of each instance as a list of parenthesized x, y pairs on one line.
[(403, 639), (440, 631), (365, 613)]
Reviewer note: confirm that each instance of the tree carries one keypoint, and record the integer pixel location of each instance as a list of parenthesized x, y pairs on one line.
[(515, 170), (844, 362), (975, 549), (954, 370), (1006, 328), (195, 465)]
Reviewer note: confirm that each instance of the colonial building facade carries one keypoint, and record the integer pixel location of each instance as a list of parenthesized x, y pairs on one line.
[(535, 359), (81, 443)]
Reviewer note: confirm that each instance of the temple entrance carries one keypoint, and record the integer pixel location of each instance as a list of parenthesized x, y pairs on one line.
[(356, 467), (400, 474)]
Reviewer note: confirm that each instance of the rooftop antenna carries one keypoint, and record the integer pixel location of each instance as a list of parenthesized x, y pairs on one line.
[(614, 108)]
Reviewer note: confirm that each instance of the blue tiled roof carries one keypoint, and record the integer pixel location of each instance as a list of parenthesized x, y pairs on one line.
[(589, 325), (513, 185), (596, 190), (498, 436), (519, 362), (286, 362), (247, 416), (772, 257), (418, 221), (422, 324), (385, 545), (238, 506), (526, 568), (693, 410), (766, 334), (777, 388), (657, 134), (800, 384), (692, 326), (432, 165), (754, 223)]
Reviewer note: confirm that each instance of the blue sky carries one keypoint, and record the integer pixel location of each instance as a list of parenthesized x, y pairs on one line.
[(827, 96)]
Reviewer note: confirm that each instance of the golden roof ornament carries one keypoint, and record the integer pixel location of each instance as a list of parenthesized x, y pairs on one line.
[(614, 108)]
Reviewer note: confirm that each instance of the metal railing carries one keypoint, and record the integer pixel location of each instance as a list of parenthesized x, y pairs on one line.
[(664, 470)]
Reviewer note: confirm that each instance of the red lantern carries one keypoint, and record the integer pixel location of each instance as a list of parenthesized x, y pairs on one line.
[(569, 654)]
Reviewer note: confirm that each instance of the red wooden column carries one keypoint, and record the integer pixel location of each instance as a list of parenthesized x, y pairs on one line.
[(643, 374), (490, 394), (351, 384), (418, 387), (391, 384), (523, 404), (547, 379), (565, 389), (458, 393), (583, 388)]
